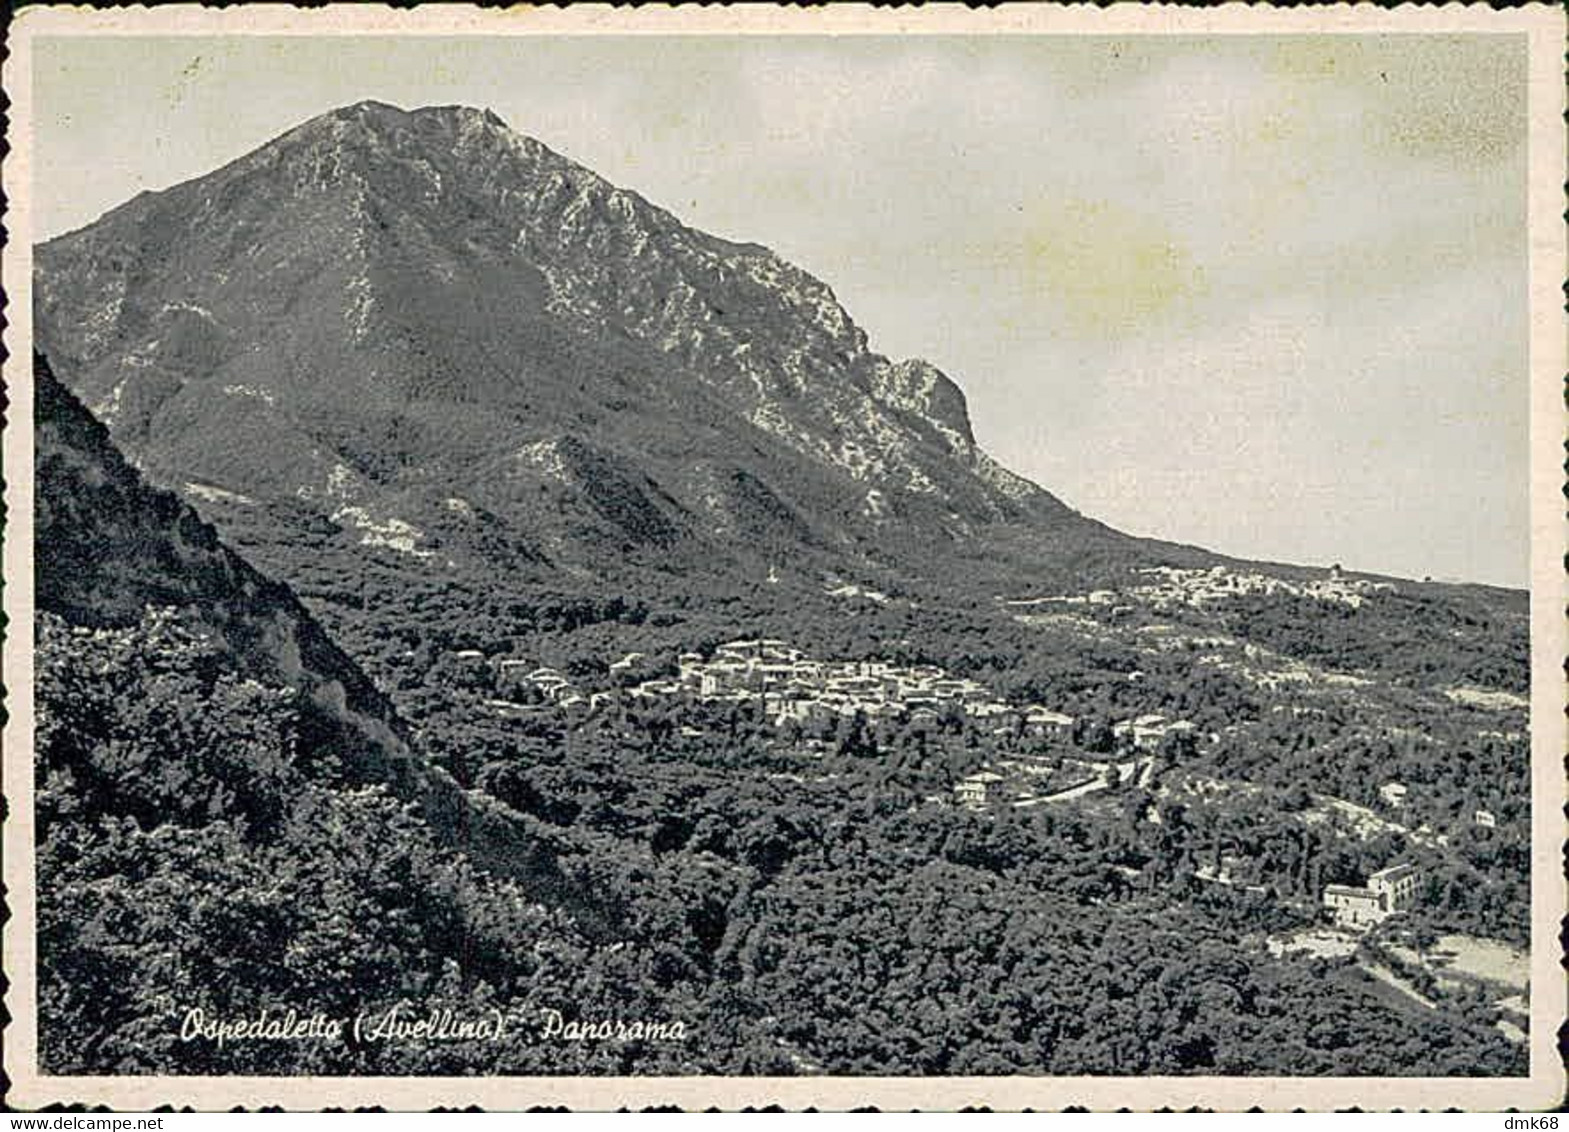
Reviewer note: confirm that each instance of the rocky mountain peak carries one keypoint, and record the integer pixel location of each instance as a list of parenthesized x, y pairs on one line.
[(367, 314), (758, 326)]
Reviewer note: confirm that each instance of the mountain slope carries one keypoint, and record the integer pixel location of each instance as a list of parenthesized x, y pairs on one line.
[(406, 322), (112, 549)]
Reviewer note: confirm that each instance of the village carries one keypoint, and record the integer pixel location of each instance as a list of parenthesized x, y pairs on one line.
[(791, 687), (786, 684), (1172, 587), (1386, 892), (1168, 587), (1039, 759)]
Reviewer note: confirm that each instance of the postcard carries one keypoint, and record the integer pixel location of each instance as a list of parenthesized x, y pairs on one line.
[(917, 558)]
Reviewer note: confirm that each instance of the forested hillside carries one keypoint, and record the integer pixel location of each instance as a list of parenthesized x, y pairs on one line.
[(206, 844)]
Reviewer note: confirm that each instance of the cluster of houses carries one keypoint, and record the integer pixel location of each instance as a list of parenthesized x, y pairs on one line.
[(793, 686), (1387, 891), (1173, 586), (1148, 731), (536, 684)]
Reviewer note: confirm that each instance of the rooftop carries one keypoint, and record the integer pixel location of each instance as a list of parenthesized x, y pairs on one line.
[(1347, 890), (1394, 872)]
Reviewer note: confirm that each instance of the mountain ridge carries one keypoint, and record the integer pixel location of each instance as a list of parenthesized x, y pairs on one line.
[(476, 266)]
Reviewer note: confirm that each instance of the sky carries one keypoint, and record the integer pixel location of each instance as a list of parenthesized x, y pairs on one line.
[(1261, 294)]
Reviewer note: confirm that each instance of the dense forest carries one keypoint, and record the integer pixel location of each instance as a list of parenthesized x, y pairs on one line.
[(193, 857)]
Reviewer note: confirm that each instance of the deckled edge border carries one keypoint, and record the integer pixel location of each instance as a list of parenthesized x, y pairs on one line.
[(811, 1094)]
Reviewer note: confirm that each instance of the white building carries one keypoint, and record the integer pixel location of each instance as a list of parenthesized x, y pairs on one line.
[(972, 788), (1388, 891), (1393, 794), (1397, 885), (1353, 907)]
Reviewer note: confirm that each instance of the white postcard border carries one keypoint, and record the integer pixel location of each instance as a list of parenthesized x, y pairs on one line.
[(1542, 24)]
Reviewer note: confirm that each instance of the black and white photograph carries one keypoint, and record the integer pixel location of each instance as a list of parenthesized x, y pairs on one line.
[(979, 548)]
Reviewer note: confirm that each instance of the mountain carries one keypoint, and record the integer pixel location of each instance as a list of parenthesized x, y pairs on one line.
[(412, 363), (444, 339)]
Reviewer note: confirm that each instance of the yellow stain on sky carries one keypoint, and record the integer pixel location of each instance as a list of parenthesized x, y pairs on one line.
[(1106, 269), (1457, 98)]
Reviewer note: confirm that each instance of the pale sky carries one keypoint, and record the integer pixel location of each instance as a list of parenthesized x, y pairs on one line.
[(1263, 294)]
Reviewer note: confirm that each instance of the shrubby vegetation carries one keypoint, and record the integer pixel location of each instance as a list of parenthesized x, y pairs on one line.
[(1403, 638)]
